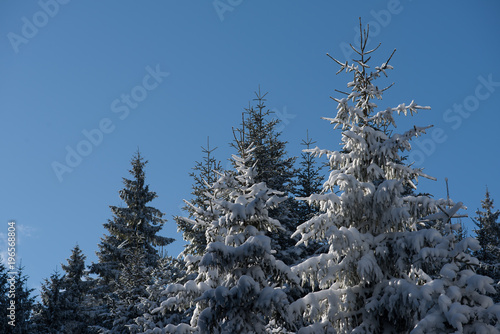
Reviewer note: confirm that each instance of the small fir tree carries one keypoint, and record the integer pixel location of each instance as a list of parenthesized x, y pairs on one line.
[(309, 181), (4, 298), (50, 314), (273, 167), (65, 306), (24, 302), (204, 174), (488, 235), (77, 285)]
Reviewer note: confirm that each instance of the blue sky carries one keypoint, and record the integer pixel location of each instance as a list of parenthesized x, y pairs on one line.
[(162, 76)]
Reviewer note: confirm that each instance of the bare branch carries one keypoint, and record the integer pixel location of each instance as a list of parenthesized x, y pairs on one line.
[(372, 50), (335, 60), (386, 88), (339, 91)]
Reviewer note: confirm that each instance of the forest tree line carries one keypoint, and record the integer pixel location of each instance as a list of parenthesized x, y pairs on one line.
[(275, 246)]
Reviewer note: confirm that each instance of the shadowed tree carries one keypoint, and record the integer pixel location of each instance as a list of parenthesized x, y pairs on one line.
[(488, 235), (132, 240)]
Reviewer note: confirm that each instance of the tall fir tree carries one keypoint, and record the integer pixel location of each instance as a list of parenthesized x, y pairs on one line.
[(241, 287), (132, 241), (204, 174), (274, 167), (488, 235), (393, 263)]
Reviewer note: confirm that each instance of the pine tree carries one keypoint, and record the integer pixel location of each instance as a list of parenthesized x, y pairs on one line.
[(393, 263), (133, 236), (204, 174), (273, 167), (241, 287), (488, 235)]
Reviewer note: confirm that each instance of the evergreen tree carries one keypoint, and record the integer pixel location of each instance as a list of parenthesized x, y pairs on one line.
[(133, 236), (4, 298), (241, 287), (49, 316), (65, 306), (169, 271), (77, 284), (309, 181), (24, 301), (135, 275), (488, 235), (273, 167), (393, 264), (205, 173)]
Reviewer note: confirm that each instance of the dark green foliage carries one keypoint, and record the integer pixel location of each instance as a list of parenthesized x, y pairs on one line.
[(77, 285), (269, 155), (49, 315), (4, 300), (488, 235), (24, 303), (65, 306), (273, 167), (129, 251), (204, 174), (309, 181), (169, 270)]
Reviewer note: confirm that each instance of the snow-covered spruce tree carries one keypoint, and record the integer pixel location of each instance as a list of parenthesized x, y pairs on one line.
[(204, 174), (309, 181), (169, 271), (488, 235), (241, 287), (387, 268), (273, 166), (133, 236), (133, 280)]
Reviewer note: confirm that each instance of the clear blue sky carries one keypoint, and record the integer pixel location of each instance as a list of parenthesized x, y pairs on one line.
[(83, 65)]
